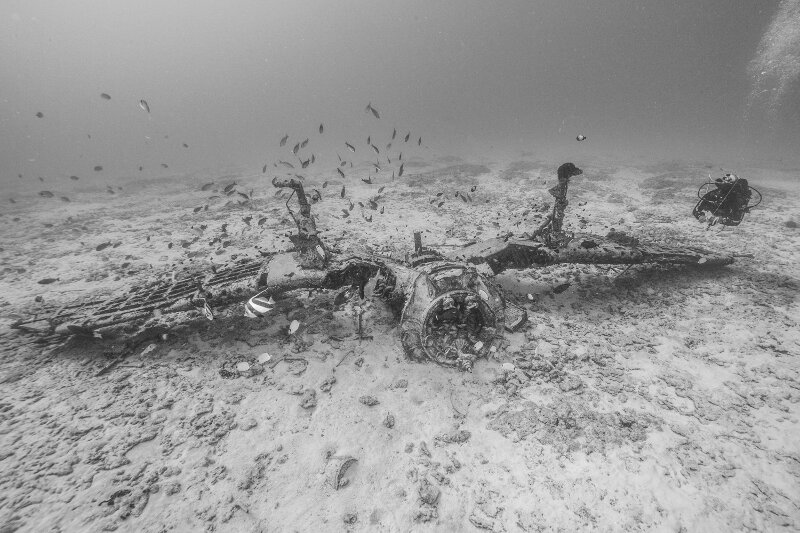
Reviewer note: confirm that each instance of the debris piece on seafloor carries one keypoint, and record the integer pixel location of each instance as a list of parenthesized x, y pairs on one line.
[(327, 384), (342, 471), (240, 367)]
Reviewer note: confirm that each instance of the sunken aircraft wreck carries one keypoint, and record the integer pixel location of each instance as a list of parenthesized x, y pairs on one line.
[(450, 310)]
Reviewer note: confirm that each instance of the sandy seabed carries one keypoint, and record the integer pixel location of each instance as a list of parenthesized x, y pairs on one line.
[(654, 399)]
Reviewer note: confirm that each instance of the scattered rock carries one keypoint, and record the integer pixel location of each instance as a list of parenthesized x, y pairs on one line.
[(309, 399), (248, 424), (350, 518), (428, 492), (790, 224), (423, 449), (400, 384), (389, 421), (570, 383), (449, 437), (369, 400)]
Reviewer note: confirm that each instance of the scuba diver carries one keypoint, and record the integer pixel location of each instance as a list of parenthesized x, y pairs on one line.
[(727, 203)]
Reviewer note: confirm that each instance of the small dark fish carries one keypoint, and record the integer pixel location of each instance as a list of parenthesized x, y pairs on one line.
[(286, 164), (205, 208), (400, 172), (197, 209), (12, 200), (98, 168), (39, 115), (350, 147), (321, 128), (324, 184), (339, 170), (361, 205), (343, 192), (368, 219), (580, 138), (264, 169), (247, 219), (401, 157), (296, 148), (304, 164), (340, 157), (164, 165), (185, 145), (440, 204), (47, 281), (284, 139), (375, 148), (46, 194), (388, 147), (140, 168), (117, 244), (408, 135), (105, 96), (229, 188), (41, 179), (377, 167), (373, 111), (558, 289), (169, 246), (432, 201), (144, 105), (74, 178), (65, 199), (419, 142), (243, 195), (261, 221), (373, 205), (313, 159), (369, 140), (343, 163), (304, 143), (438, 194), (381, 211), (381, 189), (394, 133), (207, 186), (368, 180), (345, 213), (101, 247)]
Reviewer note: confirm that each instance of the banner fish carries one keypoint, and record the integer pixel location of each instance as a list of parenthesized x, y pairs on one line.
[(144, 105), (284, 139)]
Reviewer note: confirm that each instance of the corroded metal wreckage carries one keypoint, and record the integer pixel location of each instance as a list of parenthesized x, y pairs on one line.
[(450, 310)]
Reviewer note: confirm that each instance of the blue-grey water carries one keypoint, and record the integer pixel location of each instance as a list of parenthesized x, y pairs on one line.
[(708, 79)]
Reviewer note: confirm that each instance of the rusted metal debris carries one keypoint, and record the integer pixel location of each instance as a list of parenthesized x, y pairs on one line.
[(449, 311)]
